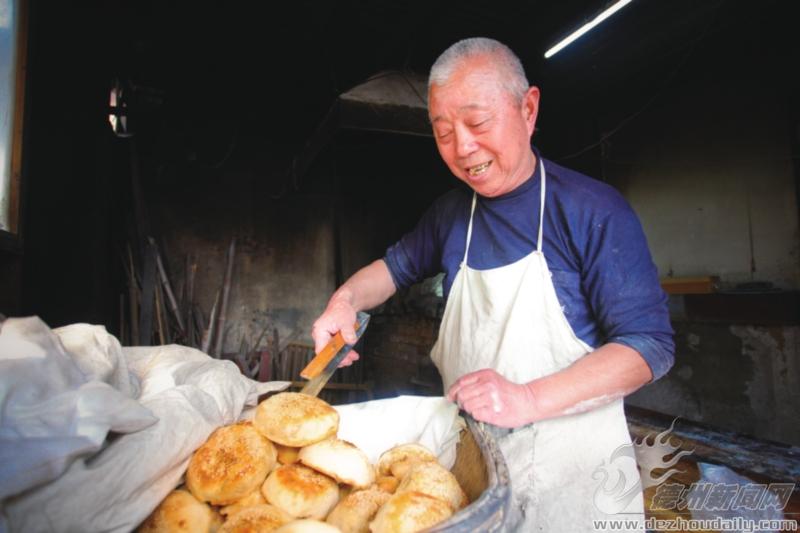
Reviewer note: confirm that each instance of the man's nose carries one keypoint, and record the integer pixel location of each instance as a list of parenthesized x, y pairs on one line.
[(465, 141)]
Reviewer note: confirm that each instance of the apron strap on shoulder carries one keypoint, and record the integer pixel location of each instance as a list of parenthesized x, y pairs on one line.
[(541, 206), (469, 228)]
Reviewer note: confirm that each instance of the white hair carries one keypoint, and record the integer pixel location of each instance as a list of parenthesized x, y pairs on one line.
[(508, 64)]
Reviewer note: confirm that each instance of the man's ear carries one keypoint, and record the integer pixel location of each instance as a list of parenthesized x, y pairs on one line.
[(530, 108)]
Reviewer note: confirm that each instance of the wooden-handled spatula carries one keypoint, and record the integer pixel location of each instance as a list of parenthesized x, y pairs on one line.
[(320, 369)]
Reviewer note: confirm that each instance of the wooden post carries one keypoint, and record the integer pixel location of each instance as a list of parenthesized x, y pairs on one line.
[(188, 303), (208, 333), (226, 290), (162, 274)]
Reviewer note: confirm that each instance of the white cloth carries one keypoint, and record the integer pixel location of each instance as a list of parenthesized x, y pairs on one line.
[(509, 319), (52, 411), (379, 425), (100, 434)]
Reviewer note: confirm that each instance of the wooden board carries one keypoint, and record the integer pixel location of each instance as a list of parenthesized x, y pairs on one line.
[(690, 285)]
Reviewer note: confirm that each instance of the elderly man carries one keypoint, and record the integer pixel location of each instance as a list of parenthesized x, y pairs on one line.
[(553, 309)]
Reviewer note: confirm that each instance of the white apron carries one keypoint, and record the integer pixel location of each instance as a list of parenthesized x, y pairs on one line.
[(509, 319)]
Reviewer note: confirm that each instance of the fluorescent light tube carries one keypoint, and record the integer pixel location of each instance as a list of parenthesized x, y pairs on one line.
[(586, 27)]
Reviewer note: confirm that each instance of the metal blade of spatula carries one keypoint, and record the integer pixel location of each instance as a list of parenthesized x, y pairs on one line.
[(325, 363)]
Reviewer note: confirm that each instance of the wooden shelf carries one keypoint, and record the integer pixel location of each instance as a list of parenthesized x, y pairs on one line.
[(690, 285)]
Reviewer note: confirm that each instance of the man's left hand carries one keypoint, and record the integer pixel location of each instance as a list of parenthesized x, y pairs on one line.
[(489, 397)]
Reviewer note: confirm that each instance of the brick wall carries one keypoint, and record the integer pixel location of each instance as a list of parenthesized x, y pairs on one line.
[(397, 354)]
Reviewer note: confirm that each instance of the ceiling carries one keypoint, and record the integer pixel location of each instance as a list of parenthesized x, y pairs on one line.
[(273, 70)]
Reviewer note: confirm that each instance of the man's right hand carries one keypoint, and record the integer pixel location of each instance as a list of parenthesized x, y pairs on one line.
[(339, 316), (367, 288)]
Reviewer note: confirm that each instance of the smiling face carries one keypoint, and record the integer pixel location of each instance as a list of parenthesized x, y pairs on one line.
[(482, 132)]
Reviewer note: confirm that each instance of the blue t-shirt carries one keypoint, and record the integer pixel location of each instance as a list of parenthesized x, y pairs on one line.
[(594, 245)]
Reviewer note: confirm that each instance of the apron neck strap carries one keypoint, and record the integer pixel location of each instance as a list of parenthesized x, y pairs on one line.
[(469, 228), (541, 214), (541, 205)]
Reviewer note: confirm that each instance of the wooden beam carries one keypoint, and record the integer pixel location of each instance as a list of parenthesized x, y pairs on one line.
[(690, 285)]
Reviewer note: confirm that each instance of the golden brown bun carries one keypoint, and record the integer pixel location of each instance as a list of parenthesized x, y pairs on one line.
[(387, 483), (254, 498), (434, 480), (307, 526), (257, 519), (341, 460), (398, 460), (295, 419), (353, 514), (409, 512), (231, 464), (301, 491), (180, 512), (287, 455)]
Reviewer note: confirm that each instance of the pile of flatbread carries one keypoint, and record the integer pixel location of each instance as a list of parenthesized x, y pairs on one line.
[(287, 472)]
